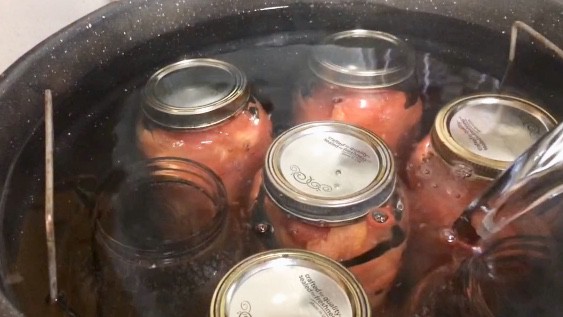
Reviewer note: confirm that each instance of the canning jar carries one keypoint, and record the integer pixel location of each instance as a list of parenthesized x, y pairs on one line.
[(163, 239), (202, 109), (330, 187), (365, 78), (473, 140), (511, 275), (289, 282)]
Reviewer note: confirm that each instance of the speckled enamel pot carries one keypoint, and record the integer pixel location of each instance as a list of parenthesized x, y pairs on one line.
[(128, 39)]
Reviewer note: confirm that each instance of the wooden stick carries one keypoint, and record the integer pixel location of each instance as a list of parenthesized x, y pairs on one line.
[(49, 202)]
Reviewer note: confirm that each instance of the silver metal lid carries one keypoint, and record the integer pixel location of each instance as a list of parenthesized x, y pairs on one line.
[(329, 173), (195, 93), (289, 282), (487, 132), (363, 59)]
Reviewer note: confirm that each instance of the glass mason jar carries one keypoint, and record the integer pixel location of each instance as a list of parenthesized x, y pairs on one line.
[(473, 140), (365, 78), (509, 273), (289, 282), (331, 188), (202, 109), (163, 239)]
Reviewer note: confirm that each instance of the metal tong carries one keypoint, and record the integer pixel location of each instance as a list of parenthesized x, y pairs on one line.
[(49, 198)]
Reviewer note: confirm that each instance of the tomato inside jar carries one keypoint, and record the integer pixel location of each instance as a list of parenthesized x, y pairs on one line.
[(473, 140), (202, 110), (365, 78), (331, 188)]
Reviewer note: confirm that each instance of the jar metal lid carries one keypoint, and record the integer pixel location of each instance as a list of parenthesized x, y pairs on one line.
[(483, 134), (289, 282), (362, 59), (195, 93), (329, 173)]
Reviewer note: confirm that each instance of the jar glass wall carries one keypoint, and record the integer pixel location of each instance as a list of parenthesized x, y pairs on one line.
[(164, 237), (366, 78), (202, 110), (470, 144), (351, 207)]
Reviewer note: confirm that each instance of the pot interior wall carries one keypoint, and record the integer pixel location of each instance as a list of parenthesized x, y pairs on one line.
[(93, 132)]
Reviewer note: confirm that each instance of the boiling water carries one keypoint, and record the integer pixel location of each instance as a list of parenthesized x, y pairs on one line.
[(91, 147)]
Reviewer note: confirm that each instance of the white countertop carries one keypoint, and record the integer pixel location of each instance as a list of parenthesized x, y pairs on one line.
[(25, 23)]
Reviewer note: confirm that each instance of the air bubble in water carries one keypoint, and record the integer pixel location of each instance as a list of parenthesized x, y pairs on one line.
[(263, 228), (336, 100), (449, 235), (463, 171)]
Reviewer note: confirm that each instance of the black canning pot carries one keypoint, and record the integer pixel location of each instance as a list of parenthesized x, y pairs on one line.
[(124, 42)]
